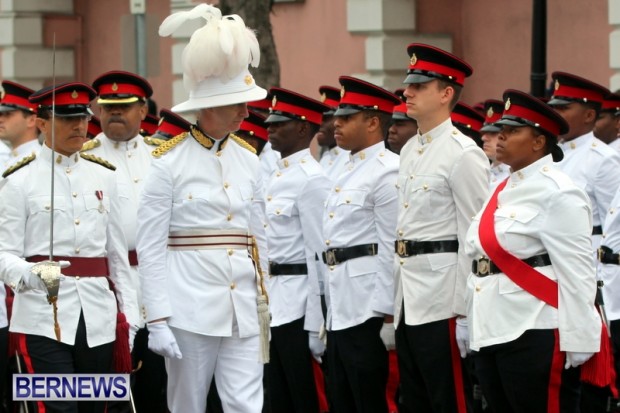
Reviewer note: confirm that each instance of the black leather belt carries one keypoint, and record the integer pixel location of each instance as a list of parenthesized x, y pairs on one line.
[(287, 269), (405, 248), (484, 266), (607, 256), (335, 256), (597, 230)]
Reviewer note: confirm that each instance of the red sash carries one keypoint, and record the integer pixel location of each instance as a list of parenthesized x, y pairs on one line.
[(599, 369), (519, 272)]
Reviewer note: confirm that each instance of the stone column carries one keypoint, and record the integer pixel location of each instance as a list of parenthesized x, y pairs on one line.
[(389, 26)]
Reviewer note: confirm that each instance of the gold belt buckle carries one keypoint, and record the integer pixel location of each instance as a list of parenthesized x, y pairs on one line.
[(483, 266), (599, 253), (330, 257), (401, 248)]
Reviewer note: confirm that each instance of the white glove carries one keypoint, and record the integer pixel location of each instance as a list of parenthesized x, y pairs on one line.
[(462, 336), (31, 281), (323, 333), (132, 336), (388, 336), (576, 358), (316, 345), (162, 341)]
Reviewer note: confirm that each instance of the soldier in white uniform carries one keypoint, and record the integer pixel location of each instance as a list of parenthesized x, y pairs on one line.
[(201, 204), (493, 109), (589, 162), (253, 130), (122, 101), (402, 128), (358, 222), (531, 326), (607, 126), (18, 122), (443, 180), (333, 157), (294, 199), (87, 235)]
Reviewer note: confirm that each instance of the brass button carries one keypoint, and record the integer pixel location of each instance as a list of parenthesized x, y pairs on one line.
[(229, 217), (348, 201), (77, 221), (129, 154), (337, 189), (189, 196), (48, 207), (572, 145), (478, 289), (136, 180), (327, 242), (513, 185), (425, 187), (406, 205), (74, 194), (331, 214), (400, 232), (68, 170), (278, 212), (230, 251), (545, 168), (402, 262), (512, 215), (77, 250), (225, 185), (331, 268), (278, 173), (77, 278), (286, 163), (269, 198), (233, 285), (420, 151), (218, 154), (411, 176)]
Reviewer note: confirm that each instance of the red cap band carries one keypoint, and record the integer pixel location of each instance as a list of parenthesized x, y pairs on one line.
[(577, 93), (352, 98), (457, 76), (309, 115), (525, 113), (121, 89)]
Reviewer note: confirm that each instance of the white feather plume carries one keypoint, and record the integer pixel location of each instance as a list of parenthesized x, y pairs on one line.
[(223, 47)]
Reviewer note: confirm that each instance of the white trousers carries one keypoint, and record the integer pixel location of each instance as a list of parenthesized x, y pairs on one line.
[(233, 361)]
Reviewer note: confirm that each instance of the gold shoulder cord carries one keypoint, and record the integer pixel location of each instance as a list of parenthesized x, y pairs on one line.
[(91, 144), (243, 143), (20, 164), (98, 160), (166, 146)]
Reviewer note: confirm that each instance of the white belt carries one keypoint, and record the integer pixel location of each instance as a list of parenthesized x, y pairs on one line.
[(209, 239)]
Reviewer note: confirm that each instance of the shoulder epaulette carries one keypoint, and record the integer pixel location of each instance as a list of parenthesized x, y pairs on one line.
[(20, 164), (97, 160), (149, 140), (243, 143), (166, 146), (91, 144)]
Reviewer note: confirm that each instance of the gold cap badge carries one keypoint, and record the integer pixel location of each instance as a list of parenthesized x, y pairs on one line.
[(413, 60), (556, 85), (490, 112), (274, 101), (114, 87), (161, 120), (507, 105), (74, 95), (248, 80), (342, 91), (323, 97)]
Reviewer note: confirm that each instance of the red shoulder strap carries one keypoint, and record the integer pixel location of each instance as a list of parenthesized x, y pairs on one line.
[(519, 272)]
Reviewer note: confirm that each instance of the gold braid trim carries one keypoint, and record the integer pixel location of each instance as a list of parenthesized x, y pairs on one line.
[(201, 138), (166, 146), (21, 163), (243, 143), (98, 160), (149, 140), (91, 144)]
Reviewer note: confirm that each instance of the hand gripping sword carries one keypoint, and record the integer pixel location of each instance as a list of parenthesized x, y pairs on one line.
[(49, 271)]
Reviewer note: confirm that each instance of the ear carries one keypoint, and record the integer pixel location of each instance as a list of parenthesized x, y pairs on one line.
[(31, 121), (540, 141), (589, 115), (143, 111), (42, 124), (373, 124), (446, 95)]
